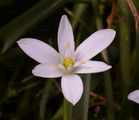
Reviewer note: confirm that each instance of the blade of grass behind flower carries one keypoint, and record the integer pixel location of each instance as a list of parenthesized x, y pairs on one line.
[(135, 14), (58, 115), (28, 20), (124, 32), (9, 90), (77, 17), (67, 115), (44, 99), (78, 10), (107, 77), (125, 62), (135, 77)]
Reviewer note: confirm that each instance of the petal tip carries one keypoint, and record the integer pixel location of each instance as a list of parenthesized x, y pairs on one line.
[(33, 71), (109, 67), (36, 72), (113, 32), (64, 16), (134, 96), (23, 40), (74, 103), (129, 96), (19, 41)]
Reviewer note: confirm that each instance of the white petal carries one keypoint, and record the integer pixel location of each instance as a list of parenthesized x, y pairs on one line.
[(65, 36), (72, 88), (39, 51), (92, 67), (94, 44), (134, 96), (47, 71)]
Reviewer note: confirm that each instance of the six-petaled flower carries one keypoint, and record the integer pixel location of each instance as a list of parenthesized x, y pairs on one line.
[(69, 62)]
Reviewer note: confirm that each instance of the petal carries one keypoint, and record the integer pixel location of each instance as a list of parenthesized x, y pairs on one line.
[(134, 96), (72, 88), (47, 71), (39, 51), (94, 44), (65, 36), (92, 67)]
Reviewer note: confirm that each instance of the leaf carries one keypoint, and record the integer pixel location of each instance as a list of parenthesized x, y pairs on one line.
[(27, 21)]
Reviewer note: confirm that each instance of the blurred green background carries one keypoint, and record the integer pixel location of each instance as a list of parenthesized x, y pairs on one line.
[(26, 97)]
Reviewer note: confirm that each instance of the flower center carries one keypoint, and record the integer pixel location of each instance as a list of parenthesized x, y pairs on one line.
[(68, 62)]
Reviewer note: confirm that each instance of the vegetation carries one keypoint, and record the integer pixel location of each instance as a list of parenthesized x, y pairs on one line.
[(24, 96)]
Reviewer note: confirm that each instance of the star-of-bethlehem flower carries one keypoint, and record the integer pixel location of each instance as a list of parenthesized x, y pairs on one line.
[(134, 96), (69, 62)]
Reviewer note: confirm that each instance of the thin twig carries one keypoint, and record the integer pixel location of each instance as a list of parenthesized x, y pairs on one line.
[(134, 12), (103, 100), (110, 18)]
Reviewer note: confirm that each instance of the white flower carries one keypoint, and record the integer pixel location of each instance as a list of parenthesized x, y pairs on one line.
[(134, 96), (68, 63)]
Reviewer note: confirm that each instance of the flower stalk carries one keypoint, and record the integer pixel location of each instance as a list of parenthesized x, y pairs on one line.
[(67, 114)]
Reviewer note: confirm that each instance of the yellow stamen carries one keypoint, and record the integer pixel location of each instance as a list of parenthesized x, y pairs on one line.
[(68, 62)]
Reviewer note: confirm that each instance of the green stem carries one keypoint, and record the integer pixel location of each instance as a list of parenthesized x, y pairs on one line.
[(67, 110), (80, 111)]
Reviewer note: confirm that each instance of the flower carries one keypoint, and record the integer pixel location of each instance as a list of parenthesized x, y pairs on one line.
[(69, 62), (134, 96)]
